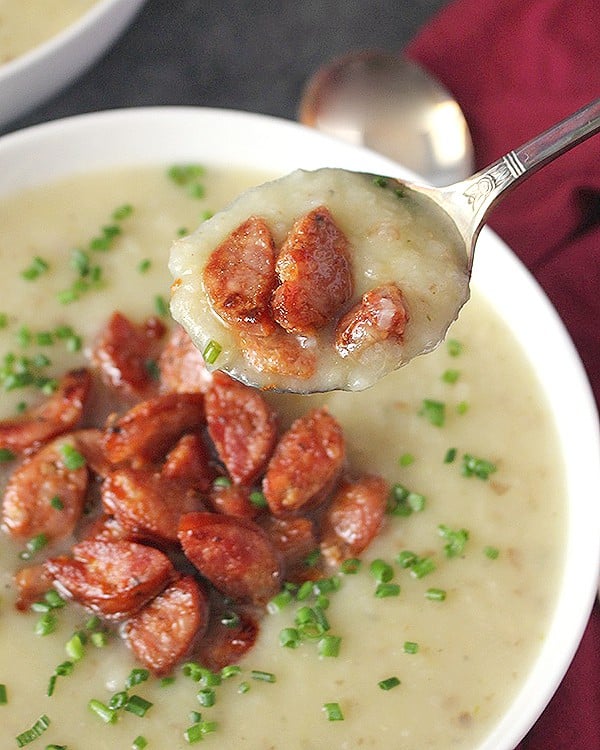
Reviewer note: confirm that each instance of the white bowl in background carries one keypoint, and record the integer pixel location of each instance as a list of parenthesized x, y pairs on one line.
[(235, 139), (31, 78)]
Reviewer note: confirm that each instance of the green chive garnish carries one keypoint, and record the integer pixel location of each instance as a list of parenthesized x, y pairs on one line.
[(333, 712), (34, 733), (491, 552), (435, 595), (212, 351), (3, 695), (433, 411), (389, 683), (410, 647), (138, 705), (72, 459), (102, 711)]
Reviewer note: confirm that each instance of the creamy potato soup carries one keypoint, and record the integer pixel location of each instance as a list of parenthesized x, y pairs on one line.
[(24, 24), (439, 622), (357, 275)]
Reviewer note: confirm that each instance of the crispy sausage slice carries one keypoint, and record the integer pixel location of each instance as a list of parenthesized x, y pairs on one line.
[(305, 464), (58, 414), (279, 354), (190, 461), (381, 314), (295, 539), (124, 351), (149, 429), (239, 277), (113, 578), (315, 272), (43, 495), (242, 426), (354, 517), (181, 366), (233, 500), (234, 554), (164, 632), (147, 505), (230, 634)]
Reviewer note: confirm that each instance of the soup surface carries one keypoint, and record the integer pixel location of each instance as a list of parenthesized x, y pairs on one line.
[(452, 647), (26, 23)]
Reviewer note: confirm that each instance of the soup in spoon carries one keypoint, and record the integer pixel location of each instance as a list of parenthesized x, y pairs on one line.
[(319, 281)]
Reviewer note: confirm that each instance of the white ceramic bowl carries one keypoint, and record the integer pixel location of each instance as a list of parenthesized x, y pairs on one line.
[(36, 75), (225, 138)]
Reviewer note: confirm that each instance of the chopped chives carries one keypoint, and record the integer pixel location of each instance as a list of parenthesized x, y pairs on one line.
[(258, 674), (389, 683), (279, 601), (99, 638), (462, 407), (222, 482), (36, 269), (406, 559), (206, 697), (454, 347), (193, 734), (244, 687), (72, 459), (57, 503), (139, 743), (380, 181), (122, 212), (410, 647), (3, 695), (6, 455), (136, 677), (144, 265), (435, 595), (289, 638), (138, 705), (118, 700), (450, 376), (211, 352), (46, 624), (406, 459), (421, 567), (450, 455), (258, 499), (230, 619), (477, 467), (351, 566), (329, 645), (3, 320), (333, 712), (54, 599), (102, 711), (491, 552), (34, 733), (166, 681), (434, 411), (161, 306), (230, 671), (312, 558), (381, 571), (385, 590), (455, 540)]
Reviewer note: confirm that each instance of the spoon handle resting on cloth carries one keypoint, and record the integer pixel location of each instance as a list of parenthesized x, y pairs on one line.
[(471, 200)]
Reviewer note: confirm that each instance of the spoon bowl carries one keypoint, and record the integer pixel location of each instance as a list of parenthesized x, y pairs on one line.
[(385, 102)]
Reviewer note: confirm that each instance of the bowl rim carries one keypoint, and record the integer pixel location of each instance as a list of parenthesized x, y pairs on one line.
[(49, 46), (101, 139)]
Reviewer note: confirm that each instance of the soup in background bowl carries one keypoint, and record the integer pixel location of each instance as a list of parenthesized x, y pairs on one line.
[(45, 45), (465, 653)]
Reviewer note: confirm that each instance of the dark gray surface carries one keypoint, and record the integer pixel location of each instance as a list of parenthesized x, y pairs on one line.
[(241, 54)]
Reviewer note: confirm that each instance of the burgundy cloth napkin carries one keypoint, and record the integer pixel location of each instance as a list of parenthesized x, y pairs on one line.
[(516, 67)]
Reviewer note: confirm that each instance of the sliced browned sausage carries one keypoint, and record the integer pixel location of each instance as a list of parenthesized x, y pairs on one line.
[(149, 429), (233, 500), (31, 583), (181, 366), (164, 632), (113, 578), (239, 277), (124, 352), (279, 354), (305, 464), (381, 314), (230, 635), (234, 554), (147, 505), (190, 461), (354, 517), (314, 267), (295, 539), (104, 527), (58, 414), (43, 495), (242, 426)]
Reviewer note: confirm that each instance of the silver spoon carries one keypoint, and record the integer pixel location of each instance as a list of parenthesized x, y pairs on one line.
[(385, 102), (458, 211), (469, 201)]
